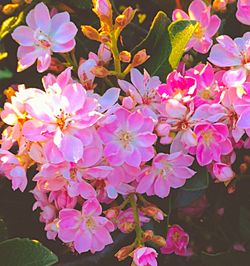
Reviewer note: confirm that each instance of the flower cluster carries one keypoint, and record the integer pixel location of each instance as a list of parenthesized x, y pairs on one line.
[(91, 147)]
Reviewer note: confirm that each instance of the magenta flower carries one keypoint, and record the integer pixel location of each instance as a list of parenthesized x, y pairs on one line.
[(243, 11), (177, 241), (167, 170), (178, 87), (212, 142), (43, 36), (223, 172), (145, 256), (208, 25), (87, 230), (235, 54), (128, 138)]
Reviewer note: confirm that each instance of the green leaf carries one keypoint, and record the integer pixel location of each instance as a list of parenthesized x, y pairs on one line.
[(245, 224), (165, 43), (5, 74), (199, 181), (3, 230), (184, 198), (25, 252)]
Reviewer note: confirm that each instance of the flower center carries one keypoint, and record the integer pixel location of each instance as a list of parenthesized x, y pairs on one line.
[(199, 33), (90, 223), (176, 236), (62, 120), (207, 137), (43, 40), (125, 138)]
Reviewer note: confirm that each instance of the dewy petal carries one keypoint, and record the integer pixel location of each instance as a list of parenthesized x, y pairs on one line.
[(23, 35), (244, 119), (43, 62), (63, 48), (92, 207), (199, 11), (86, 190), (64, 33), (134, 159), (146, 139), (109, 98), (71, 148), (30, 20), (82, 242), (161, 187), (214, 25), (203, 45), (42, 17), (27, 56), (235, 77), (135, 121)]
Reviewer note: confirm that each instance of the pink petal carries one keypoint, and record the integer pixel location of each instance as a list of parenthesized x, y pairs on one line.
[(24, 36), (71, 148), (63, 48), (42, 17), (65, 33), (161, 187)]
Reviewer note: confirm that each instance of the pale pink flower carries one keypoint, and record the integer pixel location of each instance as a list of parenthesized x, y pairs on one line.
[(207, 28), (167, 170), (62, 120), (223, 172), (177, 241), (243, 11), (145, 256), (87, 230), (12, 168), (212, 142), (128, 138), (235, 54), (42, 36), (143, 91)]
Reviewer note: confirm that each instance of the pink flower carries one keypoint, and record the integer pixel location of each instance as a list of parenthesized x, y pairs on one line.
[(12, 168), (145, 256), (86, 229), (128, 138), (177, 241), (223, 172), (212, 142), (42, 36), (177, 87), (235, 54), (143, 91), (167, 170), (207, 28), (243, 11)]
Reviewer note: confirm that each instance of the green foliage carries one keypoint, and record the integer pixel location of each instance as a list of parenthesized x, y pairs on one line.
[(199, 181), (3, 230), (5, 73), (165, 43), (25, 252)]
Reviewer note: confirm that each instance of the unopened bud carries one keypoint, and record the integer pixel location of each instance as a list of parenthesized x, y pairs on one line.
[(9, 92), (154, 212), (147, 235), (9, 9), (103, 10), (139, 58), (220, 5), (159, 241), (90, 33), (105, 37), (100, 71), (124, 252), (243, 168), (56, 65), (246, 159), (112, 213), (126, 227), (125, 56)]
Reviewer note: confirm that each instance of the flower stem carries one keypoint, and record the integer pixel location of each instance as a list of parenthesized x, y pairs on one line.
[(115, 52), (138, 229)]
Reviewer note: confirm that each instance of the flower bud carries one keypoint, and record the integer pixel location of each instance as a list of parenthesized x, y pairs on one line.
[(100, 71), (148, 235), (125, 56), (90, 32), (56, 65), (9, 9), (128, 103), (159, 241), (9, 92), (243, 168), (124, 252), (103, 10), (112, 213), (105, 37), (246, 159), (153, 212), (139, 58)]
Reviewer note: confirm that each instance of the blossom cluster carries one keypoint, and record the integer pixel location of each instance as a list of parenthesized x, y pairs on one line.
[(91, 148)]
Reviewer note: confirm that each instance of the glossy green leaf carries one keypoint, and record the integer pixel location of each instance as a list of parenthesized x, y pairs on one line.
[(165, 43), (5, 73), (10, 24), (199, 181), (25, 252)]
